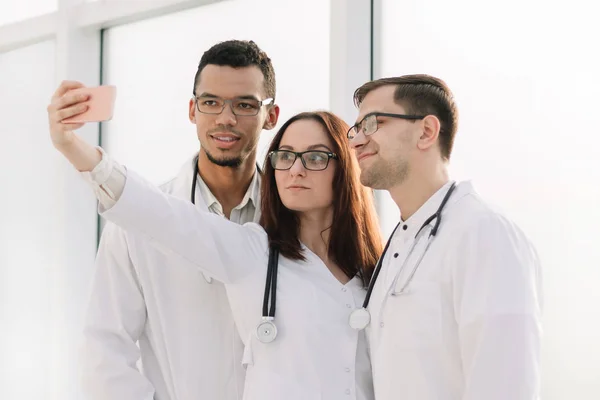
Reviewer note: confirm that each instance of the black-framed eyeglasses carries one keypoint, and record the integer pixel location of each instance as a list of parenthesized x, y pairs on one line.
[(239, 106), (313, 160), (368, 125)]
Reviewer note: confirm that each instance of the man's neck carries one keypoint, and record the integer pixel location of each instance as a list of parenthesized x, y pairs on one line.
[(228, 185), (419, 186)]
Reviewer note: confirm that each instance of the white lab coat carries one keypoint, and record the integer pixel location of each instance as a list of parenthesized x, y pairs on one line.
[(316, 355), (468, 327), (190, 348)]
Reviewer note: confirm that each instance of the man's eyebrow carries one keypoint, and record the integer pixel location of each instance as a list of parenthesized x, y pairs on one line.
[(243, 97), (248, 97)]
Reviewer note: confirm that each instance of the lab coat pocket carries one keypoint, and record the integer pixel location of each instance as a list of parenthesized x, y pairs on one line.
[(414, 318)]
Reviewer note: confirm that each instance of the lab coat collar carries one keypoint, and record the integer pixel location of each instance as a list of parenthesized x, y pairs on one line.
[(181, 185), (414, 223)]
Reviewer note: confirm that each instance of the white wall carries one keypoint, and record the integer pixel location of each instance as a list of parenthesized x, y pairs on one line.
[(31, 241), (13, 11), (523, 76)]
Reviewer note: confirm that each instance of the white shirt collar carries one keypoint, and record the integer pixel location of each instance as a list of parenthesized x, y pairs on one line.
[(252, 194)]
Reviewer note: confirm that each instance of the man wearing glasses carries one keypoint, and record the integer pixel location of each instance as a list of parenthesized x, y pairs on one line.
[(453, 311), (188, 344)]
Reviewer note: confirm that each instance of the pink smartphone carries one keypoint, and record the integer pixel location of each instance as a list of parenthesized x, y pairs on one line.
[(100, 104)]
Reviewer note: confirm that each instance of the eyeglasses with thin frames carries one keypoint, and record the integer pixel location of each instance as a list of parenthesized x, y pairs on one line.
[(312, 160), (368, 125), (241, 106)]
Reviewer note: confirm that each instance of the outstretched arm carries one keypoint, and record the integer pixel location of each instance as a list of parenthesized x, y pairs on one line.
[(222, 249)]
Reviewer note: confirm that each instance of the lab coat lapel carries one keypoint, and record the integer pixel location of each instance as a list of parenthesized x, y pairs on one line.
[(408, 258), (182, 184), (257, 205)]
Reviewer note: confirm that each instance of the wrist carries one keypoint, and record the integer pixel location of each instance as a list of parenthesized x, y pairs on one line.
[(83, 156), (64, 146)]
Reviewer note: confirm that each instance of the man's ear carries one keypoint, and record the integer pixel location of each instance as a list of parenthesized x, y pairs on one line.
[(272, 117), (192, 110), (429, 133)]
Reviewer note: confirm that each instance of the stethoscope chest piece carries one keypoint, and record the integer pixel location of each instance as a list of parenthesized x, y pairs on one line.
[(359, 318), (266, 331)]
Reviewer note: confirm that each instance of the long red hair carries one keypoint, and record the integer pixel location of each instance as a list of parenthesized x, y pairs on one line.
[(355, 240)]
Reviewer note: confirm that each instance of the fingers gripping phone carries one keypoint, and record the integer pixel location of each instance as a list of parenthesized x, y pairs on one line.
[(101, 103)]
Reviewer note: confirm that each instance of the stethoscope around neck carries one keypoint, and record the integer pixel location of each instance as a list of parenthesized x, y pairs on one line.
[(361, 317)]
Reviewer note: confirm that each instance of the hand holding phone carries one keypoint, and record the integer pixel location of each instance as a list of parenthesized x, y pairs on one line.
[(100, 104)]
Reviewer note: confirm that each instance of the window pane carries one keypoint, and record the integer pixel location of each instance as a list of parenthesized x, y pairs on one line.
[(528, 137), (30, 225), (17, 10), (153, 64)]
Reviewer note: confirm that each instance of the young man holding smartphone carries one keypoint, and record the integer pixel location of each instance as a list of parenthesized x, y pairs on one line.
[(188, 344)]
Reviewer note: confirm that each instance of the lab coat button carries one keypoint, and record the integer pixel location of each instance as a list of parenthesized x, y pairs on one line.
[(347, 391), (343, 289), (347, 369), (348, 306), (381, 324)]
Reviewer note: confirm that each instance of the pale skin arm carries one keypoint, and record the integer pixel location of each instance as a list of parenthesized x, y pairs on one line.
[(83, 156)]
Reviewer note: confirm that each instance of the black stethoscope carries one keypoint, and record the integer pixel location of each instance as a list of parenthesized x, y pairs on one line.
[(194, 181), (360, 317)]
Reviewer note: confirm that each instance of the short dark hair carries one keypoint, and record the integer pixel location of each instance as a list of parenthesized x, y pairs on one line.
[(239, 54), (423, 95), (354, 240)]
